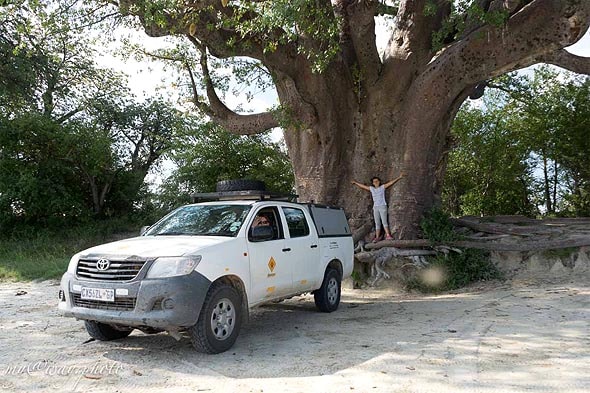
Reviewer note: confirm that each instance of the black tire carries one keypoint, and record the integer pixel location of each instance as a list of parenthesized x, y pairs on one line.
[(222, 307), (240, 185), (105, 332), (327, 298)]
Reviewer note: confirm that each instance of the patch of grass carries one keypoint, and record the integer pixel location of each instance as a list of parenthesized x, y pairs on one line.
[(29, 253), (357, 279)]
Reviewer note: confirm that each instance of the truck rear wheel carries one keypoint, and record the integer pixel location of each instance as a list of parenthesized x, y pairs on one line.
[(327, 298), (105, 332), (219, 322)]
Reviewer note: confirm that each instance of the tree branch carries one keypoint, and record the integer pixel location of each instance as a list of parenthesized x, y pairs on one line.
[(539, 28), (410, 46), (203, 107), (233, 122), (202, 20), (68, 115), (564, 59), (361, 18), (413, 37), (216, 109)]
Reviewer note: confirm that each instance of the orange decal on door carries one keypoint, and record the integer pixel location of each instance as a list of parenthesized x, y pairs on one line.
[(272, 264)]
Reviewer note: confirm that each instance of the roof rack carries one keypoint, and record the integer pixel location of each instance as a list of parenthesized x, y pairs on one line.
[(257, 195)]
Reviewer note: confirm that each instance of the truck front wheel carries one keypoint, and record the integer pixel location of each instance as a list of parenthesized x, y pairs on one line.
[(105, 332), (219, 322), (327, 298)]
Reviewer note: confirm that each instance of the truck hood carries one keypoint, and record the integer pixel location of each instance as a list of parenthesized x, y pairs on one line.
[(156, 246)]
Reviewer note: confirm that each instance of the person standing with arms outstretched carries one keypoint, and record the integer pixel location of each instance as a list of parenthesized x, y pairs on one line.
[(379, 204)]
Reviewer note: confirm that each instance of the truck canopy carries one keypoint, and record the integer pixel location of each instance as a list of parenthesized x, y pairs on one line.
[(329, 221)]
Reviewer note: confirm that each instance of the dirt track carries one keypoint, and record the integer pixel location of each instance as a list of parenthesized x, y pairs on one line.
[(518, 336)]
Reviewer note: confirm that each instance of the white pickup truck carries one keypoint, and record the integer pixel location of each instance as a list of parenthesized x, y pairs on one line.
[(203, 266)]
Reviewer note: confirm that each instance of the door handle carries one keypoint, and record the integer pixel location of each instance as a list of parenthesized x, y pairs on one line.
[(286, 249), (314, 246)]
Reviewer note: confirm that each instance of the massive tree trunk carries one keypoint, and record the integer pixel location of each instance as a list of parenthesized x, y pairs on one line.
[(382, 135), (370, 114)]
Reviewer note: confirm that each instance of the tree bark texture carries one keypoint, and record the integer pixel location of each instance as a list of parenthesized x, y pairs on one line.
[(371, 114)]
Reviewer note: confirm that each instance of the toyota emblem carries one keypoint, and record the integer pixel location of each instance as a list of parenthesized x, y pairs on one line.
[(103, 264)]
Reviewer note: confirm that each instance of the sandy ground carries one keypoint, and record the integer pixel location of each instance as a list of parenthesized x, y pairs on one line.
[(525, 335)]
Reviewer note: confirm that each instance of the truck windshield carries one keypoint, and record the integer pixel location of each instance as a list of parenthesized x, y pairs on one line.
[(202, 220)]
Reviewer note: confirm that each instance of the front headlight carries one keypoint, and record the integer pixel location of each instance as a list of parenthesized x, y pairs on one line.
[(73, 263), (173, 266)]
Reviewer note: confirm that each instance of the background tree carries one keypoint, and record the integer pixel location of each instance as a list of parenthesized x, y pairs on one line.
[(210, 154), (48, 58), (573, 146), (139, 134), (36, 186), (488, 171), (555, 119), (523, 147), (350, 111), (74, 141)]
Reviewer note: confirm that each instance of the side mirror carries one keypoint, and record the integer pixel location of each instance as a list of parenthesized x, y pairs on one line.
[(143, 230), (262, 233)]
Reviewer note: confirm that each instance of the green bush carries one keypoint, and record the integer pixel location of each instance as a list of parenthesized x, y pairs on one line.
[(437, 228), (456, 269)]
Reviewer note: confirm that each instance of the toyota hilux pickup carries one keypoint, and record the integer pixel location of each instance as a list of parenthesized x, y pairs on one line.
[(202, 267)]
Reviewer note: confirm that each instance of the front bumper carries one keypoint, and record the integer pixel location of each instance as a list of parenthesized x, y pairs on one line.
[(166, 303)]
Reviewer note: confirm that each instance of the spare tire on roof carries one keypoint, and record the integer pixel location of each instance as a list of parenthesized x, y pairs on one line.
[(240, 185)]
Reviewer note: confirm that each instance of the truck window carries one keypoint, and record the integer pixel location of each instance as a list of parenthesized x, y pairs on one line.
[(202, 220), (268, 216), (296, 222)]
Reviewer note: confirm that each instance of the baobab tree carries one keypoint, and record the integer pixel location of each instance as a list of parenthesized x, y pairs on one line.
[(351, 112)]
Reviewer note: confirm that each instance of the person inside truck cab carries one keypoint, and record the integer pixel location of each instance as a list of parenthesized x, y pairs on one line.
[(261, 220), (267, 217)]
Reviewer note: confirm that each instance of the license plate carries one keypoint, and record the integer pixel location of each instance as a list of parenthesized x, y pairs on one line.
[(105, 295)]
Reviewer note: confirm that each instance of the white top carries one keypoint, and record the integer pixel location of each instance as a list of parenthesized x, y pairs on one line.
[(378, 195)]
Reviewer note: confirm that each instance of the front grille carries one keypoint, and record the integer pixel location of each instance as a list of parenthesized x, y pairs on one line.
[(122, 304), (119, 270)]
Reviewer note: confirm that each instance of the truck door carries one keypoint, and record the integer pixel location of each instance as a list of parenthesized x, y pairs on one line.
[(303, 249), (270, 272)]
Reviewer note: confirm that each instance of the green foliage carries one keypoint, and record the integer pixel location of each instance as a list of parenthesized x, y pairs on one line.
[(566, 108), (210, 154), (524, 149), (286, 21), (488, 171), (36, 179), (73, 141), (455, 270), (464, 15), (437, 227), (94, 164), (47, 58)]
